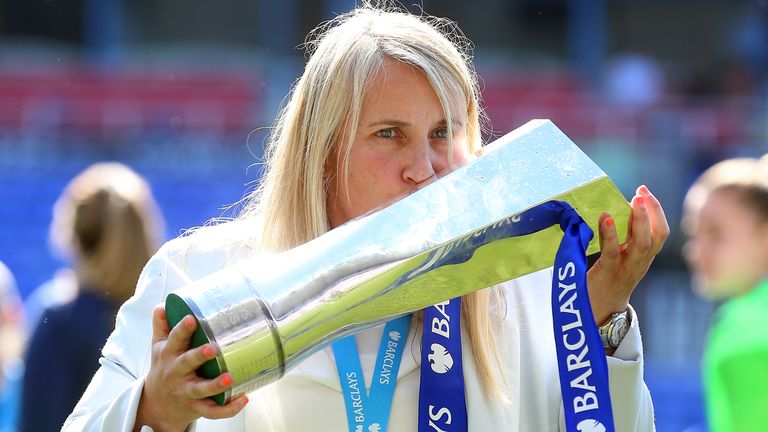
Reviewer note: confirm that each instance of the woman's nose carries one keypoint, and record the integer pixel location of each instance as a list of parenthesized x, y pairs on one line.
[(421, 163)]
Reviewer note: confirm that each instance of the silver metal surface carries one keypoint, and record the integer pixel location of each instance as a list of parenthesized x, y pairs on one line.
[(267, 316)]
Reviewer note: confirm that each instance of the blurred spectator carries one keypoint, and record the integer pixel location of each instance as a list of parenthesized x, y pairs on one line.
[(107, 224), (634, 81), (726, 219), (11, 342), (747, 40), (61, 289)]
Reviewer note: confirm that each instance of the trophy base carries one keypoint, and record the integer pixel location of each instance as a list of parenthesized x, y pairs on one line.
[(176, 309)]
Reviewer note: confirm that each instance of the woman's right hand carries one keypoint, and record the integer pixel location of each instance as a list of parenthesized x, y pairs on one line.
[(174, 396)]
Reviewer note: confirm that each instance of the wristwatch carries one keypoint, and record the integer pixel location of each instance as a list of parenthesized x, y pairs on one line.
[(614, 330)]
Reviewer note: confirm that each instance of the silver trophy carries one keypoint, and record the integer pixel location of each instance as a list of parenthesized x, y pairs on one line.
[(266, 316)]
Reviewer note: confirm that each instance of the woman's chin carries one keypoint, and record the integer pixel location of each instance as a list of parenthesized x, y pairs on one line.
[(715, 290)]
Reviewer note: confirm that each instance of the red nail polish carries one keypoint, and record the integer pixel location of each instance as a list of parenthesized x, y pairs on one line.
[(189, 322), (640, 200), (226, 380), (245, 400), (209, 351), (609, 222)]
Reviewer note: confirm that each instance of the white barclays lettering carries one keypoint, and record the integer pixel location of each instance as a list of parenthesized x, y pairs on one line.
[(388, 363), (437, 416), (357, 401), (440, 325), (574, 340)]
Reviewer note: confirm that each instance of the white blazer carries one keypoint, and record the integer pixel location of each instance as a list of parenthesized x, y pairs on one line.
[(309, 398)]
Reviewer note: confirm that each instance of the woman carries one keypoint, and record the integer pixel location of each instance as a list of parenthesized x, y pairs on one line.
[(107, 225), (386, 104), (726, 219)]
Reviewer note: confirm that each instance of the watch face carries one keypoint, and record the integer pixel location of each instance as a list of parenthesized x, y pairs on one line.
[(619, 328)]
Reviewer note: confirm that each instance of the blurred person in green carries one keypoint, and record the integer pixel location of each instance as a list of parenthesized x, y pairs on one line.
[(726, 220)]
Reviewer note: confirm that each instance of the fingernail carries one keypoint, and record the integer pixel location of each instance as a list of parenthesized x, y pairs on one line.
[(650, 195), (644, 189), (609, 222), (640, 200), (209, 351), (189, 322), (245, 400), (226, 379)]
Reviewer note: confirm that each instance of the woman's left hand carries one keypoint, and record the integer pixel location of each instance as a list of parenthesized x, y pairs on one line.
[(617, 272)]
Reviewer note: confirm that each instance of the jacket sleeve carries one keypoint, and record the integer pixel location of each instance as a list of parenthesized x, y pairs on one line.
[(112, 398), (631, 400), (534, 364)]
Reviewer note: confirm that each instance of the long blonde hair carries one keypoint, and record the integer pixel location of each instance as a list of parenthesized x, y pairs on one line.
[(324, 106), (107, 223)]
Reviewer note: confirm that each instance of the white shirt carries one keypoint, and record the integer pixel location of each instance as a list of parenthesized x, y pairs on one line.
[(309, 398)]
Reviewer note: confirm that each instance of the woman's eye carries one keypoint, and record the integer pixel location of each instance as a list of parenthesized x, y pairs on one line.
[(385, 133), (441, 133)]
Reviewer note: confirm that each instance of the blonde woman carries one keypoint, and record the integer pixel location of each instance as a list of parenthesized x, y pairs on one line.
[(726, 221), (107, 225), (387, 102)]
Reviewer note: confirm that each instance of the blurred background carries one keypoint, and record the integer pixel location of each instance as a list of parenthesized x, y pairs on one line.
[(183, 92)]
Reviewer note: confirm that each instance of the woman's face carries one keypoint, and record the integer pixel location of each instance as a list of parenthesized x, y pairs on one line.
[(728, 247), (401, 143)]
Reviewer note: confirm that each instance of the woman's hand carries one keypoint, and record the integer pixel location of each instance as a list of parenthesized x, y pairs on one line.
[(174, 396), (617, 272)]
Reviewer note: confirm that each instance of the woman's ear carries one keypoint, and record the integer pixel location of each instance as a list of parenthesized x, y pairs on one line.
[(330, 167), (326, 172)]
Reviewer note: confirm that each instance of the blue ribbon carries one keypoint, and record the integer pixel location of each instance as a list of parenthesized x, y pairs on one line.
[(581, 361), (442, 406), (581, 358), (370, 412), (580, 354)]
